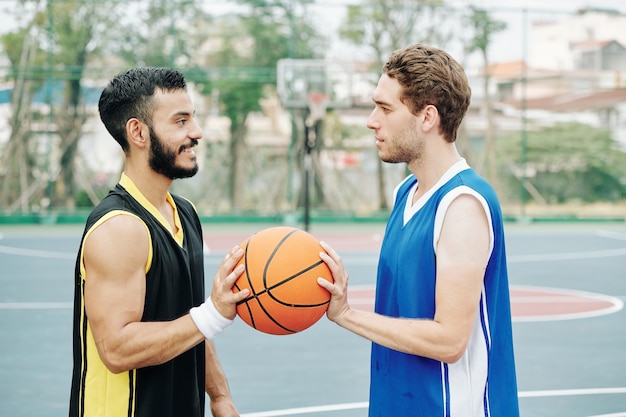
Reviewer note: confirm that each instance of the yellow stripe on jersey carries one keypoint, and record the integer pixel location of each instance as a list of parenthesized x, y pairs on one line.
[(103, 219), (132, 189), (101, 386), (104, 390)]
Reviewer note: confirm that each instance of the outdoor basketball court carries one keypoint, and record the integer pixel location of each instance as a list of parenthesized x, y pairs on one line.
[(568, 288)]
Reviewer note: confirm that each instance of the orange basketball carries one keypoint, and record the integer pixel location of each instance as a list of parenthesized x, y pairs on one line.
[(282, 267)]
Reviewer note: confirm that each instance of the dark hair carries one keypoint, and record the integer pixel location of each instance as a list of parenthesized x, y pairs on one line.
[(131, 94), (430, 76)]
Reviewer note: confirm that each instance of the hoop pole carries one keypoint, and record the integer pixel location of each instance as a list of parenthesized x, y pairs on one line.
[(310, 137), (317, 107), (317, 103)]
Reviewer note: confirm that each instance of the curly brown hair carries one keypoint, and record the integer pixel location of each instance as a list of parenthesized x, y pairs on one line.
[(429, 75)]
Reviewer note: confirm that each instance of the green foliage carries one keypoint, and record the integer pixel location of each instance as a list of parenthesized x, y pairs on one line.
[(231, 58), (82, 199), (267, 31), (384, 26), (169, 35), (568, 162), (26, 57), (484, 28)]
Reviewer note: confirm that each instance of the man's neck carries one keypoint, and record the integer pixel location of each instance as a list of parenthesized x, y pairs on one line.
[(153, 186), (432, 167)]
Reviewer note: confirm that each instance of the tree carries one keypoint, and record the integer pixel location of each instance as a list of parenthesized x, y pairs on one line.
[(384, 26), (73, 27), (19, 157), (566, 162), (256, 39), (169, 35), (54, 47), (484, 28)]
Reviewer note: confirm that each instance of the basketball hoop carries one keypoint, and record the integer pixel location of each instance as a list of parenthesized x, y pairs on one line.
[(317, 103)]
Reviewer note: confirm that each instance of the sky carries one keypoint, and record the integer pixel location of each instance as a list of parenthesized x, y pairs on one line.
[(508, 45)]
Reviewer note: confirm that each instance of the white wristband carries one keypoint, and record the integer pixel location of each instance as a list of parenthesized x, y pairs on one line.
[(208, 320)]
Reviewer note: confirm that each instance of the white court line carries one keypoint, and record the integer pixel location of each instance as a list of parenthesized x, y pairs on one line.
[(36, 253), (572, 392), (366, 260), (563, 299), (308, 410), (522, 394), (566, 256), (362, 260), (563, 295), (611, 235), (616, 303), (35, 306), (560, 295)]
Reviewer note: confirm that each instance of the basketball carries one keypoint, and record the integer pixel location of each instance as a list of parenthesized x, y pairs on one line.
[(282, 265)]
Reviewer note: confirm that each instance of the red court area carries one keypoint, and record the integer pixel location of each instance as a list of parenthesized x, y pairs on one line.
[(527, 303), (536, 304)]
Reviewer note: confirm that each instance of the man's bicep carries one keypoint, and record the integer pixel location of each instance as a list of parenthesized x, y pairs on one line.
[(465, 233), (115, 256), (462, 255)]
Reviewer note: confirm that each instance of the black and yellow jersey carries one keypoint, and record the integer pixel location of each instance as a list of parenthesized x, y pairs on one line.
[(174, 284)]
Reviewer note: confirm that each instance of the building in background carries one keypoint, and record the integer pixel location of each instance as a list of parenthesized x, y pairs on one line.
[(575, 71)]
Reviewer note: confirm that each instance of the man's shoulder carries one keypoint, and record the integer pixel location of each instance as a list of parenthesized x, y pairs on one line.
[(116, 200)]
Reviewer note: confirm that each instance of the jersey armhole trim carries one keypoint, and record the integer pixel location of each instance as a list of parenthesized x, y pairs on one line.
[(445, 204), (101, 221)]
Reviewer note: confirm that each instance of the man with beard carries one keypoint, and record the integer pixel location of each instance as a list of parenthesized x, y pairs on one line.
[(143, 329), (441, 332)]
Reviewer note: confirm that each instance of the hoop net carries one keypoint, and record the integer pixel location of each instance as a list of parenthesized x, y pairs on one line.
[(317, 103)]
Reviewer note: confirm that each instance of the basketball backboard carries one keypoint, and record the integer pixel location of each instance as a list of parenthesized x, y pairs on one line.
[(298, 78)]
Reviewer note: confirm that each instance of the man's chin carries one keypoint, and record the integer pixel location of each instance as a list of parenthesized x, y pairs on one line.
[(178, 173), (185, 173)]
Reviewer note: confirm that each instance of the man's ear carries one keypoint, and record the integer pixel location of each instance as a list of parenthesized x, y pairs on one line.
[(137, 133), (431, 118)]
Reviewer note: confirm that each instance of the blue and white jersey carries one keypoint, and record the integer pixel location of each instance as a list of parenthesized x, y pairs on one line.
[(483, 382)]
